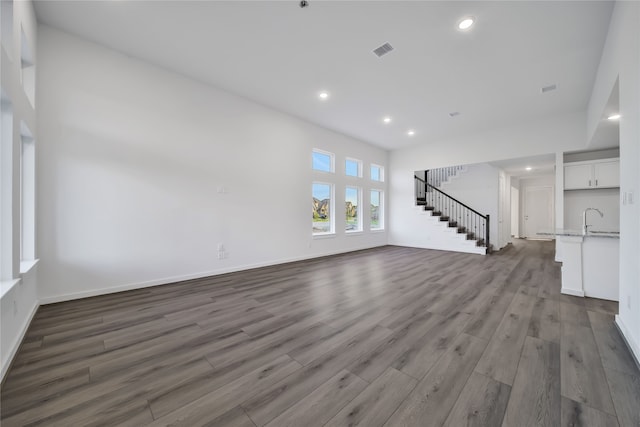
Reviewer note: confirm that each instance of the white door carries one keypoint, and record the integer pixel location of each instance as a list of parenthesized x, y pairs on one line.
[(538, 211)]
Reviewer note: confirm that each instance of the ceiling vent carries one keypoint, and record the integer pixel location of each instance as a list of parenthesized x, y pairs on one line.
[(549, 88), (383, 50), (454, 113)]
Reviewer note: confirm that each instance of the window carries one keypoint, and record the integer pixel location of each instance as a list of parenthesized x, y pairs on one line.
[(377, 207), (353, 167), (27, 194), (377, 173), (323, 161), (352, 207), (6, 153), (322, 208)]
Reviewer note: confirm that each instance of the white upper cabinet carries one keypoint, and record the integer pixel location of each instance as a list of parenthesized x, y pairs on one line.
[(592, 174)]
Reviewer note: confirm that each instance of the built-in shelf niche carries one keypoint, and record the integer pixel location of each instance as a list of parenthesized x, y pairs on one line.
[(28, 69)]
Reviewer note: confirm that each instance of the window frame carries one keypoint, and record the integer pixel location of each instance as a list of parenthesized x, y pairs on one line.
[(380, 210), (332, 160), (358, 166), (332, 217), (380, 172), (359, 227)]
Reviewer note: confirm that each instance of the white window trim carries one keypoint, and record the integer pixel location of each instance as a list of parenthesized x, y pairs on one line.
[(331, 155), (358, 162), (332, 208), (381, 219), (359, 207), (381, 169)]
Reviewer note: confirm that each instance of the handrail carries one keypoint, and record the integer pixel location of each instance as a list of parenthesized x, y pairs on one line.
[(452, 198)]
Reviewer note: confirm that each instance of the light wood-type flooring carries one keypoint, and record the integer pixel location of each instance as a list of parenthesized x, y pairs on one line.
[(390, 336)]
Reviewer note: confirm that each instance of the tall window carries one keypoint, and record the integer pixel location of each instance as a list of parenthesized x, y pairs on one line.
[(377, 173), (352, 207), (353, 167), (27, 195), (6, 181), (322, 161), (322, 208), (377, 207)]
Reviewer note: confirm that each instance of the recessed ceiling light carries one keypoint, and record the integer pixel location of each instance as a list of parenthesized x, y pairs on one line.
[(323, 95), (466, 23), (528, 168), (614, 117), (387, 119), (411, 132)]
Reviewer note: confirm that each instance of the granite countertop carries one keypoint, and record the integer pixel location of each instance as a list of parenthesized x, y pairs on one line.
[(578, 233)]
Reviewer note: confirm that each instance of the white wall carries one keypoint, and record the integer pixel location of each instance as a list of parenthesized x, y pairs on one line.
[(18, 285), (605, 199), (621, 60), (478, 188), (133, 161), (541, 136)]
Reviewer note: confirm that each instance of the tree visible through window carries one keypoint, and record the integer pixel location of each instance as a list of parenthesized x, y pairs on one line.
[(321, 208), (352, 207), (376, 210)]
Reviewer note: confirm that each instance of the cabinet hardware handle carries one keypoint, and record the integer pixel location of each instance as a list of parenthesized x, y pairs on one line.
[(589, 183), (596, 182)]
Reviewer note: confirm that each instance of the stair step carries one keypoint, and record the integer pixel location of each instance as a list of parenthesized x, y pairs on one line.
[(429, 208), (421, 202)]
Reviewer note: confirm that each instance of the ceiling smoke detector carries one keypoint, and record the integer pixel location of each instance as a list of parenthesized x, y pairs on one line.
[(549, 88), (454, 113), (383, 50)]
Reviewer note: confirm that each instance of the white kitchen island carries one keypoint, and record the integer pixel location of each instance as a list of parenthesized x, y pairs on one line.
[(589, 263)]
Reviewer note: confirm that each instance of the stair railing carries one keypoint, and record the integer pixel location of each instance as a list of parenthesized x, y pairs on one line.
[(464, 218)]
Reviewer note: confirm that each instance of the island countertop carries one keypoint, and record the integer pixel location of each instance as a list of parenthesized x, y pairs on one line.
[(578, 233)]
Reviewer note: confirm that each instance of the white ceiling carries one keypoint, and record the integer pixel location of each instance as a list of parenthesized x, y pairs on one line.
[(540, 165), (281, 55)]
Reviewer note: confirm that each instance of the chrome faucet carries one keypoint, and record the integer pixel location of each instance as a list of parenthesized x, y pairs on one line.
[(584, 218)]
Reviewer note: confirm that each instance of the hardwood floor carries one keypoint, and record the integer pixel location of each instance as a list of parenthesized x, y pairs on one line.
[(390, 336)]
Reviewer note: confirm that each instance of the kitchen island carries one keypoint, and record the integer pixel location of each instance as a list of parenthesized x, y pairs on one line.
[(590, 262)]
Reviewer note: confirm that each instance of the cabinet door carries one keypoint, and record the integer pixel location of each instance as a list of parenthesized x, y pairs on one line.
[(607, 174), (577, 176)]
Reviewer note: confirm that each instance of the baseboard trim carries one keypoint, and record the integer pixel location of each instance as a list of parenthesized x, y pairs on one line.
[(15, 346), (573, 292), (182, 278), (626, 336)]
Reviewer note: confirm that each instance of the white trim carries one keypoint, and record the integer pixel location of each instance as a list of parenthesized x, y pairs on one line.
[(574, 292), (27, 265), (167, 280), (15, 346), (626, 336), (7, 285)]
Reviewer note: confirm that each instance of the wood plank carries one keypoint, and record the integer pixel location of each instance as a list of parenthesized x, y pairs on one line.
[(214, 404), (500, 360), (435, 395), (377, 402), (320, 406), (481, 403), (424, 353), (582, 374), (625, 390), (613, 350), (545, 320), (535, 396), (271, 402), (575, 414)]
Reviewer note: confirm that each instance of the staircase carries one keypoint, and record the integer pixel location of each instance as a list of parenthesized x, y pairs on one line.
[(452, 225)]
